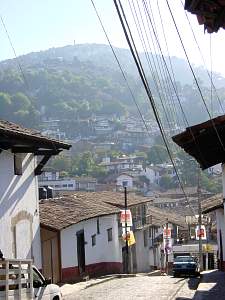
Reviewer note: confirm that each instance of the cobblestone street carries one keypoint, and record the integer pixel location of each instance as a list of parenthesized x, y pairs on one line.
[(140, 287)]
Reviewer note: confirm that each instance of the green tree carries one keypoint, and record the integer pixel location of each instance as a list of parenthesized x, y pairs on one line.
[(166, 182), (157, 154)]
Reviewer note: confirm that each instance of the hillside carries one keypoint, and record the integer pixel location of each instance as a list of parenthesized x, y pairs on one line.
[(75, 82)]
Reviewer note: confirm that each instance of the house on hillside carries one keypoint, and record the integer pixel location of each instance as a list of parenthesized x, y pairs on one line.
[(89, 223), (19, 204), (121, 164), (66, 185)]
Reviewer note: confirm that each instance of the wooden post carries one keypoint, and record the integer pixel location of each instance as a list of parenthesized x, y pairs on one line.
[(7, 280)]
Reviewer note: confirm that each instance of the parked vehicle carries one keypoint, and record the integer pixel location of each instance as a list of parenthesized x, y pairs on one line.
[(185, 265), (19, 279)]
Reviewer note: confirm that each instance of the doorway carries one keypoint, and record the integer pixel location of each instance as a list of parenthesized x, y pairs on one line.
[(51, 262), (81, 251)]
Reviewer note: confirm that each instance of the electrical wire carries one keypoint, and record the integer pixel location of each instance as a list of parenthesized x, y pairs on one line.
[(203, 60), (123, 73), (137, 23), (135, 55), (195, 78)]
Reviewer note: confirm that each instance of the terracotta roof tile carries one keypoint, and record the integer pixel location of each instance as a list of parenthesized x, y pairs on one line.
[(212, 203), (10, 129), (62, 212)]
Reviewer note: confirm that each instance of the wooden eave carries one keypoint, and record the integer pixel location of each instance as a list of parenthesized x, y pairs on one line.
[(205, 142)]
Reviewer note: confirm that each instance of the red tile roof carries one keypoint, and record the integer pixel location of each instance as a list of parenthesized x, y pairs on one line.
[(9, 131)]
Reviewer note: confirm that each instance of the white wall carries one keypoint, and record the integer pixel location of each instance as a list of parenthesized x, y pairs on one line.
[(150, 174), (59, 185), (123, 177), (19, 211), (142, 253), (220, 226), (103, 251)]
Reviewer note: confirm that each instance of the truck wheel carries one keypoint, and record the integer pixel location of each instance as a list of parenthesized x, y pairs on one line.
[(56, 298)]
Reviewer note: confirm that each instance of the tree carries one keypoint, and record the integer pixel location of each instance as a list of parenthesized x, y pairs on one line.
[(166, 182), (5, 104), (157, 154)]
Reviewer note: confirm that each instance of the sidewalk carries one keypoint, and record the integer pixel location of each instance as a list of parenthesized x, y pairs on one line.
[(212, 286)]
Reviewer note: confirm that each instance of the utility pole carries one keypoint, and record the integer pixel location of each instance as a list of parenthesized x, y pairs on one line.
[(200, 221), (166, 248), (127, 249)]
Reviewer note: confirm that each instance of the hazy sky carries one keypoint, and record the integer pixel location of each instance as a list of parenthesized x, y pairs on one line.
[(36, 25)]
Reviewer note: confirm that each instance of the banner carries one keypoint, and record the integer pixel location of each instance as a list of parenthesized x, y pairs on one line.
[(167, 233), (128, 217), (130, 237), (201, 232)]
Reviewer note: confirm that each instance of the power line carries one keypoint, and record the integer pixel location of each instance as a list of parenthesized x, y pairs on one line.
[(123, 74), (14, 51), (146, 86), (194, 76), (203, 60)]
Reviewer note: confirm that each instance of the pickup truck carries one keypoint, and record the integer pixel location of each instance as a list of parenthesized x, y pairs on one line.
[(21, 280)]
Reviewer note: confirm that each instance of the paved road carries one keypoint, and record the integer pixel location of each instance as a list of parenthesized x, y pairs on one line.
[(140, 287)]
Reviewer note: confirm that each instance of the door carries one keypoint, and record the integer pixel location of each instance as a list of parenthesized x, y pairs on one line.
[(50, 254), (81, 251)]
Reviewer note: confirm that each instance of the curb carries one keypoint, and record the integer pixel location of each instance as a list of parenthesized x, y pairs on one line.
[(110, 277), (99, 282)]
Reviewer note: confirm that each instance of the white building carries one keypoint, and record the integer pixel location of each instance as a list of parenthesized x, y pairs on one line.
[(125, 180), (89, 223), (61, 185), (19, 207)]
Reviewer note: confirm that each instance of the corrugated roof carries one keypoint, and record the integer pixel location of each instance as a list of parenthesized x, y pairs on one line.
[(212, 203), (205, 142), (10, 130)]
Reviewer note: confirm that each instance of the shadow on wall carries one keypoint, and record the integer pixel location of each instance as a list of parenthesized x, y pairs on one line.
[(13, 195)]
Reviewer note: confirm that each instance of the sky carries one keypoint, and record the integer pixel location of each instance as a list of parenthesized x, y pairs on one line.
[(35, 25)]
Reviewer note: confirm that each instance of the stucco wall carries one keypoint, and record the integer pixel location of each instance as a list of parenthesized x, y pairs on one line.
[(102, 252), (19, 213), (122, 178), (220, 226), (142, 252)]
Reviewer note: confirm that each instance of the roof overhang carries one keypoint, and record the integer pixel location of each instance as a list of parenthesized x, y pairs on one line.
[(205, 142), (209, 13)]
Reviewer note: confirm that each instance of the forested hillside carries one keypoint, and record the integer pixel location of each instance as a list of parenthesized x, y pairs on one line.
[(75, 82)]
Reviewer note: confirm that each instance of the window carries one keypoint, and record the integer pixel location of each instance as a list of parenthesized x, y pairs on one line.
[(150, 232), (70, 185), (98, 226), (109, 233), (64, 185), (145, 238), (125, 183), (93, 240)]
